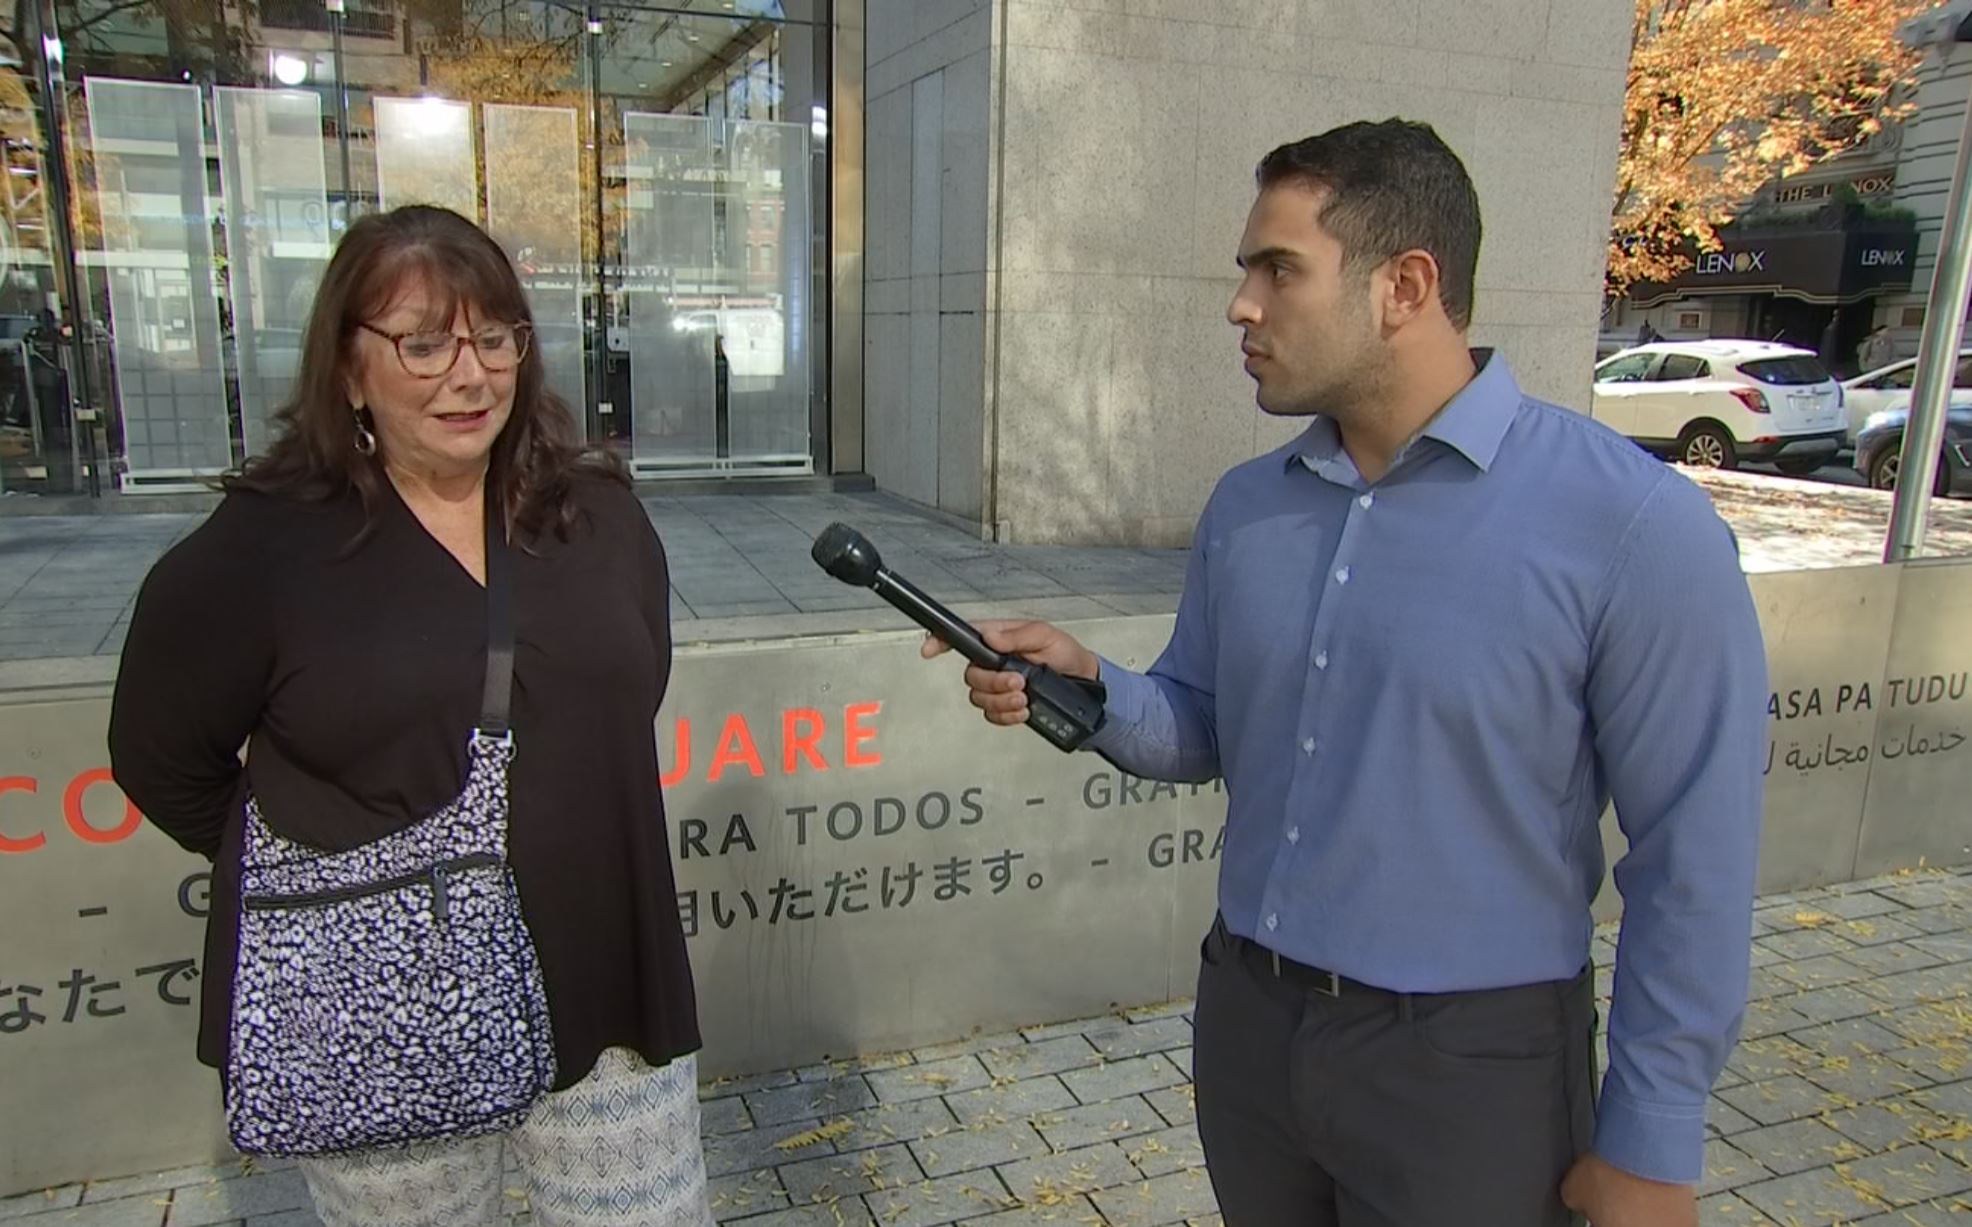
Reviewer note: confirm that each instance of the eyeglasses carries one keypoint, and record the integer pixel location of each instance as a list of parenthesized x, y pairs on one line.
[(429, 355)]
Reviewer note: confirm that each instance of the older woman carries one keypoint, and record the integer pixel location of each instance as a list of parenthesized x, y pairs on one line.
[(431, 935)]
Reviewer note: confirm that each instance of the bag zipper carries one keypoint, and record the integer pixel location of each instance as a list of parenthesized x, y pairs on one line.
[(436, 875)]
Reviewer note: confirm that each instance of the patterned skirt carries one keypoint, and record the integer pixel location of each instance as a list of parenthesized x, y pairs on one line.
[(618, 1149)]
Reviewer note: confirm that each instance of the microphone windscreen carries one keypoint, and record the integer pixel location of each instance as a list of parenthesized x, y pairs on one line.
[(846, 554)]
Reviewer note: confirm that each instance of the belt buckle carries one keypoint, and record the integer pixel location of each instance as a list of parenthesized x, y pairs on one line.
[(1327, 983)]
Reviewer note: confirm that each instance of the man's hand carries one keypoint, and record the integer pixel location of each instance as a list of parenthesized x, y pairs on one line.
[(1611, 1197), (1003, 696)]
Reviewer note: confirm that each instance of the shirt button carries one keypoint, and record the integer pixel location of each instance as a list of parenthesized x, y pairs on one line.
[(1342, 576), (1308, 746), (1273, 921), (1294, 835), (1321, 660), (1365, 501)]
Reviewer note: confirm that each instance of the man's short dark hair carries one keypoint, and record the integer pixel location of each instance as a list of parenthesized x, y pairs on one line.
[(1393, 187)]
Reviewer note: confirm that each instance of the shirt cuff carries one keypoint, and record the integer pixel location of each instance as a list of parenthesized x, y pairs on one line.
[(1655, 1142), (1130, 694)]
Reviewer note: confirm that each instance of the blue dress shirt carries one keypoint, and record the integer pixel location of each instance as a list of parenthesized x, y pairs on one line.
[(1422, 692)]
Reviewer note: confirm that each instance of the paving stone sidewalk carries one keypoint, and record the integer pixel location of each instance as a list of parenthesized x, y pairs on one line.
[(740, 567), (1848, 1101)]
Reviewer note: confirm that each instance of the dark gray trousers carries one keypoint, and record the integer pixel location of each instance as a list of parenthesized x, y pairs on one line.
[(1377, 1109)]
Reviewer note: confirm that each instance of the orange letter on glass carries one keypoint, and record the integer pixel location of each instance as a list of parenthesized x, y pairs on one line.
[(681, 751), (735, 747), (854, 735), (20, 783), (72, 810), (799, 745)]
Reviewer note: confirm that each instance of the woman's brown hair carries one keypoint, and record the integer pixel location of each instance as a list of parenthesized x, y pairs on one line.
[(314, 458)]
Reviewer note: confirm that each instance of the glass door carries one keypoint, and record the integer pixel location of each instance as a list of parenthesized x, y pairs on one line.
[(41, 449), (656, 171), (711, 291)]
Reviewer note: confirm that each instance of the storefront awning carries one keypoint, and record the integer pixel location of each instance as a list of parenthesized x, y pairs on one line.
[(1815, 264)]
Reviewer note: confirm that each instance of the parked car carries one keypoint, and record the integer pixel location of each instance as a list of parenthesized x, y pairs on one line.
[(1713, 404), (1880, 444), (1888, 387), (1607, 346)]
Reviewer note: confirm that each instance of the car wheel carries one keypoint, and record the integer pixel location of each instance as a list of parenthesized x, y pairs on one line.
[(1707, 446), (1800, 466), (1884, 469)]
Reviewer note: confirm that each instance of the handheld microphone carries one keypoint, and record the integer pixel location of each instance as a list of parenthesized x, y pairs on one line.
[(1064, 710)]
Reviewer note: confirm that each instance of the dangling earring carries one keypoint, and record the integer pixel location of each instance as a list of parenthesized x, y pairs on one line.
[(366, 443)]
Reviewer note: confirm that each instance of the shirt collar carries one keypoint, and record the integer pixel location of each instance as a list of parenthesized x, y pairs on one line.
[(1473, 423)]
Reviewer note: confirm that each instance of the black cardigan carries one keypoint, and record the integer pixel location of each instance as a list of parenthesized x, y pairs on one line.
[(354, 678)]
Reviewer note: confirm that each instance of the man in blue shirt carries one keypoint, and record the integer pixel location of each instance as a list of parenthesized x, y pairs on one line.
[(1425, 644)]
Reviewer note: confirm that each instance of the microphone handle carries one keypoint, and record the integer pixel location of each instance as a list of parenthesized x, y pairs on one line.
[(937, 619)]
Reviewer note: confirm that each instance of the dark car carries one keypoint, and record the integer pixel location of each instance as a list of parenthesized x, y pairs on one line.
[(1880, 442)]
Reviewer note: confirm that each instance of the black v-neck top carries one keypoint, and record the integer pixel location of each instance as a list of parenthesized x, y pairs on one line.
[(354, 679)]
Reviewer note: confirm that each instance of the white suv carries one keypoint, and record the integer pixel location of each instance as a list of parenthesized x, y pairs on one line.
[(1889, 387), (1712, 404)]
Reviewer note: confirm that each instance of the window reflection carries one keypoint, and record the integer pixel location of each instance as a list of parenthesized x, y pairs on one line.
[(210, 163)]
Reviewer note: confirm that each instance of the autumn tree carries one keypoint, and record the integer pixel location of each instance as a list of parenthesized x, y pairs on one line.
[(1724, 96), (23, 210), (537, 72), (203, 39)]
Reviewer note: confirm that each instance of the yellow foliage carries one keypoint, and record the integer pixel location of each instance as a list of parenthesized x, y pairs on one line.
[(1723, 95), (816, 1136)]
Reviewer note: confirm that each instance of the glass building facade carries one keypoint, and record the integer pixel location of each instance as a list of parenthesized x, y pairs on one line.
[(177, 173)]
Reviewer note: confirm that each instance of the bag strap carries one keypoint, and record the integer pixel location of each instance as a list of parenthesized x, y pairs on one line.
[(494, 707)]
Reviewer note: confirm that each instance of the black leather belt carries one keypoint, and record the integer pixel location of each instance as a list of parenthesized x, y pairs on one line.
[(1271, 961)]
